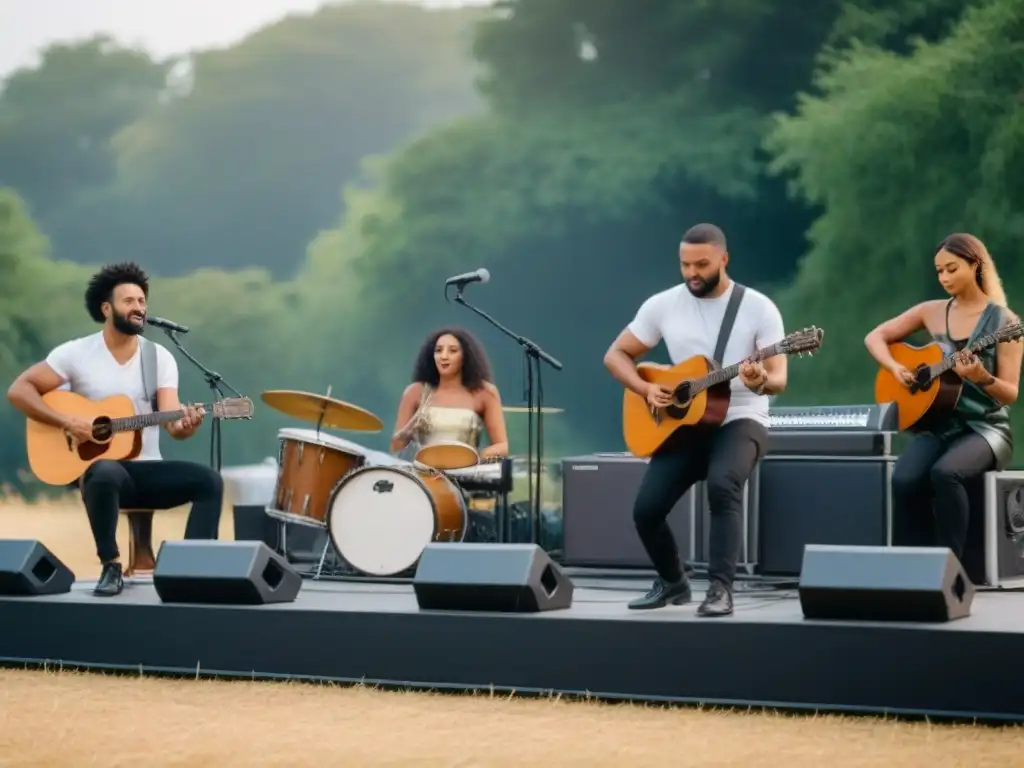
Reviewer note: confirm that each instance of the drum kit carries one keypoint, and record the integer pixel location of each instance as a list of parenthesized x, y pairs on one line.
[(379, 511)]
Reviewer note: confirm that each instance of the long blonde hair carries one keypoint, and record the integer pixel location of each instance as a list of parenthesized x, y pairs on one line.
[(971, 249)]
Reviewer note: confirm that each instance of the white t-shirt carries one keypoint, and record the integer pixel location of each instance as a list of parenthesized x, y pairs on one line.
[(89, 369), (689, 326)]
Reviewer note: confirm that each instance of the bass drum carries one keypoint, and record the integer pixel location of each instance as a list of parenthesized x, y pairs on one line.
[(380, 519)]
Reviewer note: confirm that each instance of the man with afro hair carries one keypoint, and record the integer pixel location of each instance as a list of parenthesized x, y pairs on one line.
[(109, 363)]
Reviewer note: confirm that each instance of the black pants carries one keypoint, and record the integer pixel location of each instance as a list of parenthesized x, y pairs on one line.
[(109, 486), (724, 458), (930, 502)]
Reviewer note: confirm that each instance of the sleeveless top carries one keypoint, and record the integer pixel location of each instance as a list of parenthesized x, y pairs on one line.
[(439, 423), (977, 410)]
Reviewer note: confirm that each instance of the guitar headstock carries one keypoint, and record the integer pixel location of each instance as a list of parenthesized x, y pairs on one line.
[(802, 342), (1009, 333), (233, 408)]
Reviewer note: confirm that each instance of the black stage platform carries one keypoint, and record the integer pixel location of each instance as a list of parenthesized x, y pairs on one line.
[(764, 655)]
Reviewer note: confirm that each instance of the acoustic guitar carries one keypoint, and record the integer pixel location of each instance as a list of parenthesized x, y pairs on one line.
[(936, 389), (701, 393), (58, 459)]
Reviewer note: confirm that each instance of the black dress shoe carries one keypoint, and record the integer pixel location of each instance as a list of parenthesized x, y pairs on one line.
[(717, 602), (111, 581), (663, 593)]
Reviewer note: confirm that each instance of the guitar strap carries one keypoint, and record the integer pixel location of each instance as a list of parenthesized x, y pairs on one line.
[(148, 349), (728, 320)]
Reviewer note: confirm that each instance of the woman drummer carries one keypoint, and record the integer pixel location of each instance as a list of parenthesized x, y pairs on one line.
[(452, 398)]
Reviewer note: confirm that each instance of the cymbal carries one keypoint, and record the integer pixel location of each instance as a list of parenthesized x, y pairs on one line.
[(322, 409), (525, 409)]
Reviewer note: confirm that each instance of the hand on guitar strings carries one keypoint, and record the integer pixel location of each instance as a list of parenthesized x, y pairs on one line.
[(969, 367), (902, 374), (658, 396), (753, 375), (78, 428)]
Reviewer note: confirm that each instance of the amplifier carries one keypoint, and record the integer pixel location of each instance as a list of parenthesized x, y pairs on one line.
[(598, 491), (597, 513), (1001, 530), (842, 500)]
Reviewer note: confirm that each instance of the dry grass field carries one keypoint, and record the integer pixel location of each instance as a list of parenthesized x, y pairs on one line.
[(60, 718)]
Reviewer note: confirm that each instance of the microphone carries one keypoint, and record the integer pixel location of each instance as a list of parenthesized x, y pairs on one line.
[(167, 325), (479, 276)]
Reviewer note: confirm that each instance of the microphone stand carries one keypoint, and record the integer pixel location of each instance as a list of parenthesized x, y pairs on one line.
[(532, 355), (214, 380)]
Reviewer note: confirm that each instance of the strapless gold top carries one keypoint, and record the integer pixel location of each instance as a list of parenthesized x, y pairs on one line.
[(439, 423)]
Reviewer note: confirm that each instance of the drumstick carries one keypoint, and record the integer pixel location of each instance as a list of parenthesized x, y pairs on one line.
[(407, 430)]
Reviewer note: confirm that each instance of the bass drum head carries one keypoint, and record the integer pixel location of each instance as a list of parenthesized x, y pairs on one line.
[(380, 520)]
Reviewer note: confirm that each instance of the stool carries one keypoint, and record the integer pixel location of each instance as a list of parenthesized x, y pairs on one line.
[(141, 559)]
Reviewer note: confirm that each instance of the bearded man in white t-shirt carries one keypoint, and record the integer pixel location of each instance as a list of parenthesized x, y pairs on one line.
[(110, 363), (688, 318)]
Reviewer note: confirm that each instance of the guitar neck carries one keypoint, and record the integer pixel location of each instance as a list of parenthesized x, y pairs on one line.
[(723, 375), (144, 420), (949, 361)]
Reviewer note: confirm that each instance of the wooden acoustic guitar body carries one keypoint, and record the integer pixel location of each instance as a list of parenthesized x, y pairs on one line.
[(919, 410), (56, 460), (645, 432)]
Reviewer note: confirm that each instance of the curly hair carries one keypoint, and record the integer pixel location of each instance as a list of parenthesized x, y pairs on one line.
[(476, 368), (102, 284)]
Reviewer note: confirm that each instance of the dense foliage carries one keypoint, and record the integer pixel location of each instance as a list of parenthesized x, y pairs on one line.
[(303, 194)]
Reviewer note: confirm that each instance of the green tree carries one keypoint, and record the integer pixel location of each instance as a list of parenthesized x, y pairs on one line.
[(57, 119), (248, 160), (899, 151)]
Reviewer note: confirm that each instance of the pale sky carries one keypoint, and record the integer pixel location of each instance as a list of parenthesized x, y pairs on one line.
[(163, 27)]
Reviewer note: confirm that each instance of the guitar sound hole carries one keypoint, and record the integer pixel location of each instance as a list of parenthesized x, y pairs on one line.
[(921, 382), (682, 393), (682, 396), (102, 428)]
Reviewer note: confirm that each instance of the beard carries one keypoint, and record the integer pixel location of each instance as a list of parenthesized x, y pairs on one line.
[(124, 324), (706, 285)]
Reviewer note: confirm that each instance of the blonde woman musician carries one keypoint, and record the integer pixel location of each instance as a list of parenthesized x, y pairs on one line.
[(930, 502)]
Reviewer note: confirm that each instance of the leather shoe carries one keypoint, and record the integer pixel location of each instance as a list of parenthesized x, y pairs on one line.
[(662, 593), (717, 602), (111, 581)]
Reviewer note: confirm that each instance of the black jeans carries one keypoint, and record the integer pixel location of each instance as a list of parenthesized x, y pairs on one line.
[(724, 458), (930, 502), (109, 486)]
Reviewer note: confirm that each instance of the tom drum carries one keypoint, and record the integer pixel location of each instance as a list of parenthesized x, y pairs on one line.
[(310, 464), (381, 519)]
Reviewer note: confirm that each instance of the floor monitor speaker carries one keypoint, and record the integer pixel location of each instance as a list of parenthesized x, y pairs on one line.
[(916, 584), (27, 567), (224, 573), (510, 578)]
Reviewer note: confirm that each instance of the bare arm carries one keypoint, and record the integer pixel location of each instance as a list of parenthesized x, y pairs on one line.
[(1005, 385), (494, 423), (26, 394), (406, 410), (621, 359), (893, 330), (777, 369)]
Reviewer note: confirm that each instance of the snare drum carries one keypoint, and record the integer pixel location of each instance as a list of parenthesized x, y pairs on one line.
[(310, 464), (447, 454), (380, 519)]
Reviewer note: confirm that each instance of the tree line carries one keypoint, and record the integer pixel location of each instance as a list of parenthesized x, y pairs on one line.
[(302, 195)]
